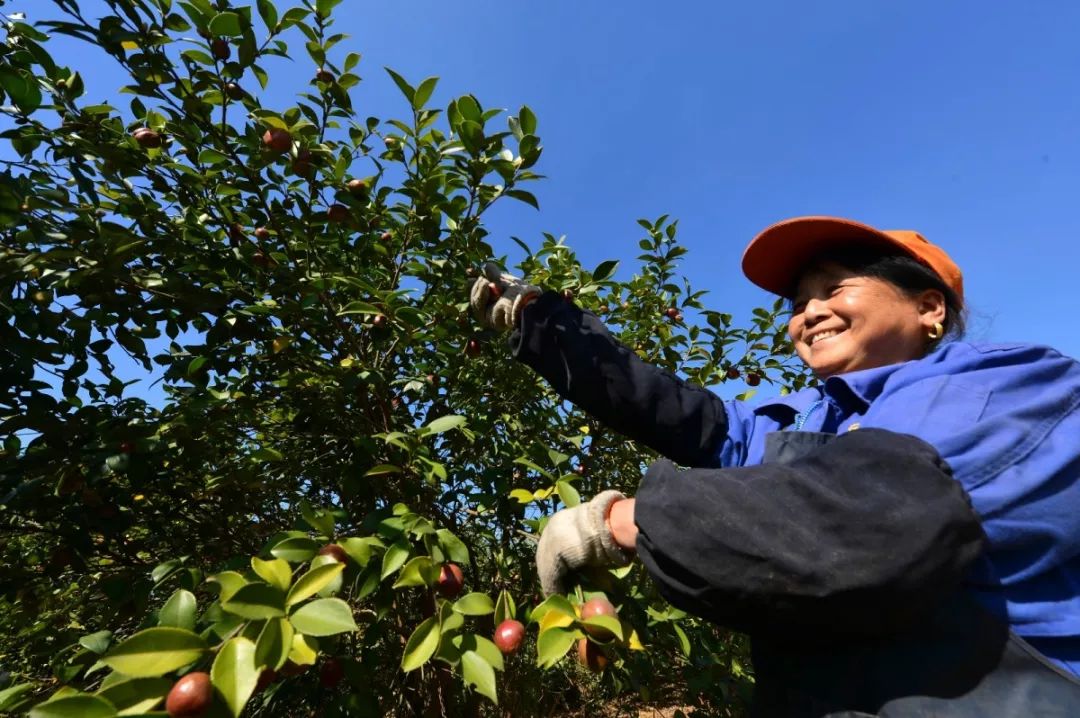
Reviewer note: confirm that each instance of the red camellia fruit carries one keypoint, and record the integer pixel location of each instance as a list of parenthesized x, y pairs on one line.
[(262, 234), (753, 379), (590, 655), (671, 312), (358, 188), (597, 607), (234, 91), (568, 295), (732, 373), (472, 348), (337, 213), (331, 672), (302, 164), (385, 237), (335, 551), (220, 49), (509, 636), (451, 580), (127, 447), (379, 321), (259, 259), (190, 696), (324, 75), (277, 139), (147, 138)]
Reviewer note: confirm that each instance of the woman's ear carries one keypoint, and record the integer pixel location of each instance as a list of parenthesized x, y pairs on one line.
[(932, 307)]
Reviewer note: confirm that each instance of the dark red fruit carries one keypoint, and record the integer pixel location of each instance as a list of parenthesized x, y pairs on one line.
[(335, 551), (385, 237), (302, 164), (337, 213), (509, 636), (127, 447), (358, 188), (147, 138), (236, 234), (451, 580), (331, 672), (262, 234), (753, 379), (379, 321), (277, 139), (568, 295), (590, 655), (732, 373), (259, 259), (597, 607), (190, 696), (671, 312), (324, 76), (234, 91), (470, 272), (472, 348), (220, 49)]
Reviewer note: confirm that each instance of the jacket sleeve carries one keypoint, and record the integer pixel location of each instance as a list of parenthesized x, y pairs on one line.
[(861, 537), (587, 366)]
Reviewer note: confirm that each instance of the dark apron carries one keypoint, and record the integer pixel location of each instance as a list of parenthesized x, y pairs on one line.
[(962, 662)]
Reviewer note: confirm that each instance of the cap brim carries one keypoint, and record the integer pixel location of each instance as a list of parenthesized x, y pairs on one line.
[(776, 258)]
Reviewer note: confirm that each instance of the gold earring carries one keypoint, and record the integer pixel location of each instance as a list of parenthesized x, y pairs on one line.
[(937, 332)]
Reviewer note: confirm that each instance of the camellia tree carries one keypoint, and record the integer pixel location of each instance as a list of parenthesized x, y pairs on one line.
[(331, 505)]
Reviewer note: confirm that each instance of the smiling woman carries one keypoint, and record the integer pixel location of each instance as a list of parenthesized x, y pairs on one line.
[(925, 564)]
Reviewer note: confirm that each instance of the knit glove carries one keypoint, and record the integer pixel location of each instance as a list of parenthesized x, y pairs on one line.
[(577, 538), (497, 298)]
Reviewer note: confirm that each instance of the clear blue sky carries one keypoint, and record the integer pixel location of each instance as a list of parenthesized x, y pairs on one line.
[(958, 119)]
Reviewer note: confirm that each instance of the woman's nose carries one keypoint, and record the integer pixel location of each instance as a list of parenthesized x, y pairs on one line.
[(816, 309)]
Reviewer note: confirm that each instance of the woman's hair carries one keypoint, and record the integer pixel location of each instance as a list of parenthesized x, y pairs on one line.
[(906, 274)]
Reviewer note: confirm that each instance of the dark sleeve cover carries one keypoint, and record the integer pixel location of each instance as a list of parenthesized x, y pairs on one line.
[(860, 537), (586, 365)]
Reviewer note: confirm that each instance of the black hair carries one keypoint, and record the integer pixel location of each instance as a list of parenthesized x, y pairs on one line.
[(906, 274)]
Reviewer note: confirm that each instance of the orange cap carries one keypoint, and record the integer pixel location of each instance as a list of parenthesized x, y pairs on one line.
[(777, 256)]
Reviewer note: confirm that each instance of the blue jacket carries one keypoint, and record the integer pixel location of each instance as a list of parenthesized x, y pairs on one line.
[(1006, 420)]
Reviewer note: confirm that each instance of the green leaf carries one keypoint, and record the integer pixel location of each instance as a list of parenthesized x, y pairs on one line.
[(11, 698), (421, 645), (267, 454), (522, 496), (359, 549), (609, 623), (234, 673), (406, 88), (268, 13), (568, 493), (137, 695), (229, 581), (420, 571), (360, 308), (296, 549), (553, 644), (486, 648), (179, 611), (605, 270), (382, 470), (553, 603), (319, 519), (313, 581), (684, 642), (212, 157), (274, 643), (527, 120), (276, 572), (96, 642), (443, 424), (256, 601), (523, 196), (479, 674), (423, 92), (323, 617), (226, 24), (155, 651), (505, 608), (79, 705), (452, 546), (395, 557), (475, 604)]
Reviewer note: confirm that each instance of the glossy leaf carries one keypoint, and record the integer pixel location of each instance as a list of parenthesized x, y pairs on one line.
[(80, 705), (255, 601), (313, 581), (234, 673), (179, 611), (276, 572), (479, 674), (421, 645), (274, 643), (474, 604), (323, 617), (155, 651), (137, 695)]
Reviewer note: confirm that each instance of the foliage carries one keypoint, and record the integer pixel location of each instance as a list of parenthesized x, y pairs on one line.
[(300, 300)]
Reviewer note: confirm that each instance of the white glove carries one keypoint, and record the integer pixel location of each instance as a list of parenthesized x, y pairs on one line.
[(499, 309), (576, 538)]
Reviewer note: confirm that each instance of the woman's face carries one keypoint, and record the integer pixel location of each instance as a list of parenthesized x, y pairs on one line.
[(842, 321)]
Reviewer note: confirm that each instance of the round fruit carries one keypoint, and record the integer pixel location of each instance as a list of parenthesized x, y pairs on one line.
[(147, 138), (42, 297), (302, 164), (568, 295), (236, 233), (597, 607), (335, 551), (590, 655), (391, 142), (324, 76), (579, 469), (262, 234), (127, 447), (261, 260), (671, 312), (732, 373), (753, 379), (379, 321), (509, 635), (234, 91), (358, 188), (277, 139), (470, 272), (190, 696), (472, 348), (220, 49), (331, 672), (451, 580), (385, 237), (337, 213), (433, 379)]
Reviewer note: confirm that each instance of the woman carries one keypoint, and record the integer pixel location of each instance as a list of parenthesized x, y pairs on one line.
[(903, 540)]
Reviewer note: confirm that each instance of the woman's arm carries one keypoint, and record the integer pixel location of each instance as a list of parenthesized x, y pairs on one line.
[(860, 538), (586, 365)]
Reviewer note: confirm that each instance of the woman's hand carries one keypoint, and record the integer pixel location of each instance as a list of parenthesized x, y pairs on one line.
[(578, 538), (497, 298)]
